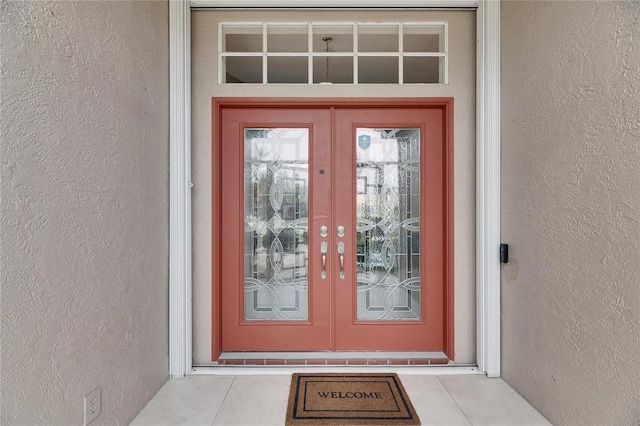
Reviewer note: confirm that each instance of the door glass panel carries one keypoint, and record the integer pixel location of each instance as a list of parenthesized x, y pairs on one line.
[(388, 220), (276, 200)]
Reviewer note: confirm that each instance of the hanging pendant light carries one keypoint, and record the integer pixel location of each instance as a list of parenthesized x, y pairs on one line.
[(327, 40)]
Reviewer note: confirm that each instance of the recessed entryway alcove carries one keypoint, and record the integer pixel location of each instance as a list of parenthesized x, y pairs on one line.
[(460, 86)]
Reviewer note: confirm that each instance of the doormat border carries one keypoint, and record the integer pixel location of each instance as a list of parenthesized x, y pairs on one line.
[(408, 414)]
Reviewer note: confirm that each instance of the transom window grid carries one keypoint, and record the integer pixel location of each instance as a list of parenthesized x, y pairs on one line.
[(286, 45)]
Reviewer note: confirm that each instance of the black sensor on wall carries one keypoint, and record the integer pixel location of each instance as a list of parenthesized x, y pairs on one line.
[(504, 253)]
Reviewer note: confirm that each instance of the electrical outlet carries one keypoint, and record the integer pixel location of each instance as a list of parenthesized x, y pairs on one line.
[(92, 405)]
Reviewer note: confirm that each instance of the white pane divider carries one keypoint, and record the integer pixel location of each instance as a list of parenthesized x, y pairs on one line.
[(428, 28)]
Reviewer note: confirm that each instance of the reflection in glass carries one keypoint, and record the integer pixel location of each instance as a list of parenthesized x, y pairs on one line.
[(378, 38), (287, 38), (242, 38), (287, 69), (422, 69), (276, 188), (388, 219), (243, 69), (377, 70), (342, 36), (423, 38), (334, 69)]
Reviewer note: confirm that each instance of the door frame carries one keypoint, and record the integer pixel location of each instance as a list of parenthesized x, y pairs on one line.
[(446, 104), (487, 170)]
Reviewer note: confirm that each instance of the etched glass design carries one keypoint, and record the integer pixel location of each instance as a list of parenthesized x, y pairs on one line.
[(388, 220), (276, 191)]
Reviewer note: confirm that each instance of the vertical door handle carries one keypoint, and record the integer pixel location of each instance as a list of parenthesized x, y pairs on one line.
[(341, 255), (324, 247)]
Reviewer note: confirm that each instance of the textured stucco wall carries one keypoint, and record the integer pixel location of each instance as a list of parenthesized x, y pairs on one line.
[(571, 208), (462, 30), (84, 208)]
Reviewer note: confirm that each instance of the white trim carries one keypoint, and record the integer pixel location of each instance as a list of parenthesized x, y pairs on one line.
[(180, 330), (335, 3), (487, 166), (488, 188)]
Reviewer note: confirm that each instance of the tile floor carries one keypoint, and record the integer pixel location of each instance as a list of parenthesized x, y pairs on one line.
[(262, 400)]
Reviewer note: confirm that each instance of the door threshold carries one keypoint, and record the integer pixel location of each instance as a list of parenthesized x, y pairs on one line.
[(274, 370), (350, 358)]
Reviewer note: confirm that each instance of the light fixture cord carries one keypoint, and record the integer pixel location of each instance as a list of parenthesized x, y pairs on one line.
[(327, 40)]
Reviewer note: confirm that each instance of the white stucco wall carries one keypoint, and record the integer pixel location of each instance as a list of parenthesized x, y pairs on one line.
[(84, 208), (462, 33), (571, 208)]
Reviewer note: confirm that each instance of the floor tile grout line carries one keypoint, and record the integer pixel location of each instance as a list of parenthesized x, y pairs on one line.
[(223, 400), (455, 401)]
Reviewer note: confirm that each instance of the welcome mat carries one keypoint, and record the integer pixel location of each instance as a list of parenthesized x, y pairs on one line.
[(349, 399)]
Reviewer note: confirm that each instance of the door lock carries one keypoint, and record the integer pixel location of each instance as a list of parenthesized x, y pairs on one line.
[(340, 231)]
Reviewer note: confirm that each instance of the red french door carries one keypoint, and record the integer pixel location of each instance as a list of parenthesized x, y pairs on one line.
[(334, 227), (276, 171)]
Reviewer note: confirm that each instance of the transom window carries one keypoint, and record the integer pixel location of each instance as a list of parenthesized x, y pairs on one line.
[(333, 53)]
